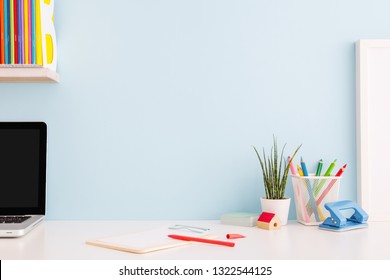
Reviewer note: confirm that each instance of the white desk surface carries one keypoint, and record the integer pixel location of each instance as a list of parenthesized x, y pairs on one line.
[(66, 240)]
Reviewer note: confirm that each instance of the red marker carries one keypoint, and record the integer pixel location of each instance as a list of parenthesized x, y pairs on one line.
[(325, 192), (234, 236), (338, 174), (203, 240)]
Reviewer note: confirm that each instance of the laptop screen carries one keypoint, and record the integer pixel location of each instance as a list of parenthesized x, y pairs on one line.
[(22, 168)]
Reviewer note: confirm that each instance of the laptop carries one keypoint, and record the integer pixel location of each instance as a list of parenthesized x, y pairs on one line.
[(22, 176)]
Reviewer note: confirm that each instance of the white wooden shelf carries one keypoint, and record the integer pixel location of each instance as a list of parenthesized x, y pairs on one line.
[(12, 73), (65, 240)]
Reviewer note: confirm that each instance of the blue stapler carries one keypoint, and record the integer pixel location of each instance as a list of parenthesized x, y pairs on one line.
[(337, 221)]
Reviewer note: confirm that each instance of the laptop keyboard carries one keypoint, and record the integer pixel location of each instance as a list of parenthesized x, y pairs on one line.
[(13, 219)]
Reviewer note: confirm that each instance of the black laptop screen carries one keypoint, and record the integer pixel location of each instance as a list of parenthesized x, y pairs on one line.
[(22, 168)]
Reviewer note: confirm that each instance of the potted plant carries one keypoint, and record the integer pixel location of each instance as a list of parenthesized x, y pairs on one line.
[(275, 171)]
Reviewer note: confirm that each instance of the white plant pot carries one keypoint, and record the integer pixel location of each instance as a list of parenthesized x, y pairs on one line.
[(280, 207)]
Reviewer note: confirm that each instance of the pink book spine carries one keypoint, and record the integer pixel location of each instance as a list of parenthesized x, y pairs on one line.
[(29, 31)]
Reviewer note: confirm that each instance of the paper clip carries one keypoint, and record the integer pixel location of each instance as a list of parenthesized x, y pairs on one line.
[(190, 228)]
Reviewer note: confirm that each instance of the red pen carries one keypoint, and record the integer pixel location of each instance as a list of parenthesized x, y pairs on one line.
[(203, 240)]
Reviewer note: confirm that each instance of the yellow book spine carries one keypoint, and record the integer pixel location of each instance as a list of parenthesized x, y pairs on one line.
[(12, 32), (26, 56), (38, 32)]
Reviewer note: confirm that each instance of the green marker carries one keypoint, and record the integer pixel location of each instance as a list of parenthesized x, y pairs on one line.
[(331, 166), (319, 168), (318, 173), (327, 173)]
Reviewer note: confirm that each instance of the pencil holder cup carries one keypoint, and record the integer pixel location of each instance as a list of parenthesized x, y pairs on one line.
[(310, 195)]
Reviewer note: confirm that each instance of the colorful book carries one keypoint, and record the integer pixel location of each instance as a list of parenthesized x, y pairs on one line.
[(6, 32), (2, 32), (33, 33), (39, 51), (29, 31), (25, 31), (20, 32), (11, 32), (16, 35)]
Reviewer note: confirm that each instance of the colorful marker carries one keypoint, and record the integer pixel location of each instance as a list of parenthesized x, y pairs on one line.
[(304, 169), (204, 240), (329, 187), (319, 168), (305, 216), (300, 172), (318, 173), (341, 171), (327, 173), (310, 191), (292, 169), (330, 168)]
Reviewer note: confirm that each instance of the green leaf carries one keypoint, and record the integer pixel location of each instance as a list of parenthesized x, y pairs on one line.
[(275, 170)]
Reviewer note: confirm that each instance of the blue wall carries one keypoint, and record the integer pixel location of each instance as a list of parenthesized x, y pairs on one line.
[(160, 101)]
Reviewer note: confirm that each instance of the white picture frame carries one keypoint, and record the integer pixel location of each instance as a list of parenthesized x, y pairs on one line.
[(372, 129)]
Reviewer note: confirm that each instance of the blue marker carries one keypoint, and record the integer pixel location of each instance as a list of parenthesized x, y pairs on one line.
[(6, 32), (310, 191), (304, 169)]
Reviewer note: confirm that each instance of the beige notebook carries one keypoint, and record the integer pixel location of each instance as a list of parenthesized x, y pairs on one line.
[(146, 241)]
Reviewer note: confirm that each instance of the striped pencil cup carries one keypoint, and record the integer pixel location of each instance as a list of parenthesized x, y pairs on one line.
[(310, 195)]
